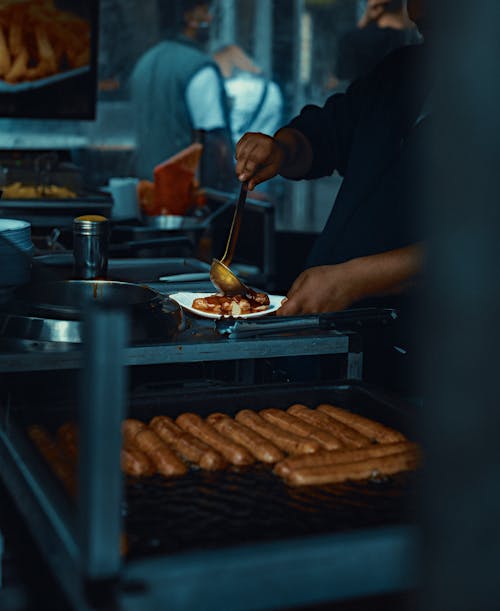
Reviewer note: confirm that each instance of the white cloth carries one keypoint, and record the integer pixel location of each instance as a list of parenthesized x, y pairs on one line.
[(245, 92), (203, 98)]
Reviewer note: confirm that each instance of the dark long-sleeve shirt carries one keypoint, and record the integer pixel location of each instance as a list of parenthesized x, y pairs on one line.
[(369, 135)]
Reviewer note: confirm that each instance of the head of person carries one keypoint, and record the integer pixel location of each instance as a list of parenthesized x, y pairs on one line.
[(194, 19)]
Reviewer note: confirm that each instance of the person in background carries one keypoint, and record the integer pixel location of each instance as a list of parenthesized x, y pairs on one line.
[(255, 101), (384, 27), (371, 249), (177, 93)]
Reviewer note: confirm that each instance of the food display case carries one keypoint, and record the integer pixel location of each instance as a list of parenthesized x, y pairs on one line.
[(236, 539)]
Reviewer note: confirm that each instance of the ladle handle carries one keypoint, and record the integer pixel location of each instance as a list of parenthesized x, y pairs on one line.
[(234, 230)]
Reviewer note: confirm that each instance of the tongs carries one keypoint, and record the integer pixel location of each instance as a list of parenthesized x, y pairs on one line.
[(347, 320), (221, 276)]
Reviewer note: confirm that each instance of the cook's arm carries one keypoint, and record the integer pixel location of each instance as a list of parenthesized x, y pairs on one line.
[(329, 288)]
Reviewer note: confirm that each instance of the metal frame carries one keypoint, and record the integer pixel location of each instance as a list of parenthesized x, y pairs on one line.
[(84, 549), (189, 351)]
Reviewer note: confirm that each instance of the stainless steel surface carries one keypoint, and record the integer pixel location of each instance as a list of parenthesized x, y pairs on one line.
[(90, 246), (40, 329), (221, 276)]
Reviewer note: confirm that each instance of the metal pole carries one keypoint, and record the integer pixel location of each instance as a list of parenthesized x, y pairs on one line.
[(263, 36), (461, 324), (102, 409)]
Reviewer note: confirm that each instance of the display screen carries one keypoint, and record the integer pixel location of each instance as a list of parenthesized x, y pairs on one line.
[(48, 52)]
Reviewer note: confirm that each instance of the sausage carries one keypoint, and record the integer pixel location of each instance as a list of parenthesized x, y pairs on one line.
[(260, 447), (235, 453), (67, 439), (49, 450), (286, 441), (188, 446), (370, 428), (363, 469), (5, 60), (291, 423), (135, 462), (335, 457), (138, 435), (349, 437)]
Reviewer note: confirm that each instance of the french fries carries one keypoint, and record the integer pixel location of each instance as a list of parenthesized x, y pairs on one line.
[(39, 40)]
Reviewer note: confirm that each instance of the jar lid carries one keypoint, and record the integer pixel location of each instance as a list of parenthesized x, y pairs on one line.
[(91, 224)]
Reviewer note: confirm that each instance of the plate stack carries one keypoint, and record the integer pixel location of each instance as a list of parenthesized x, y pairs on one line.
[(16, 251)]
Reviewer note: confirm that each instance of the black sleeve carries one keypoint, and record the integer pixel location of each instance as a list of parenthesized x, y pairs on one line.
[(330, 129), (346, 66)]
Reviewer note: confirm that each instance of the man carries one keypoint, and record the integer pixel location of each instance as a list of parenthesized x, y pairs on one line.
[(177, 92), (384, 27), (373, 136), (370, 251)]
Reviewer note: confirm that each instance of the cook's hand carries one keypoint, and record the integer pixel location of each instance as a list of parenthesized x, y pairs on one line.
[(374, 9), (328, 288), (258, 158)]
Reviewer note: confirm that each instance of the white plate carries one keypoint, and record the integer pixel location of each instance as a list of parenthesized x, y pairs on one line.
[(185, 300)]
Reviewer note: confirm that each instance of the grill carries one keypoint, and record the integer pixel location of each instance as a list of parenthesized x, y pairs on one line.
[(208, 510), (237, 539)]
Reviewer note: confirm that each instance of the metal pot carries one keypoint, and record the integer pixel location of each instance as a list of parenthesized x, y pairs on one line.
[(68, 298), (153, 316)]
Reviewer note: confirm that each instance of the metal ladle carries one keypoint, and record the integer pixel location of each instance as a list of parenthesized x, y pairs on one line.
[(220, 274)]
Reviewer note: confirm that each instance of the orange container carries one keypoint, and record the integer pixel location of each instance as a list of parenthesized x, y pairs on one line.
[(175, 182)]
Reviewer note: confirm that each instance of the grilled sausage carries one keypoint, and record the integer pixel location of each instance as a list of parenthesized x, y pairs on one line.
[(49, 450), (335, 457), (67, 439), (138, 435), (235, 453), (363, 469), (286, 441), (260, 447), (135, 462), (370, 428), (348, 437), (291, 423), (188, 446)]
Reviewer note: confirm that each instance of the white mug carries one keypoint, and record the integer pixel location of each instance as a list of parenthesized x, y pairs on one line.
[(125, 200)]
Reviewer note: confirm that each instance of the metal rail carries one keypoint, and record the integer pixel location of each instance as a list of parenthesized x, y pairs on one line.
[(192, 351)]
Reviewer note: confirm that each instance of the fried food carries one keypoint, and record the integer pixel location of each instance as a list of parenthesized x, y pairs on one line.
[(137, 435), (337, 457), (348, 436), (286, 441), (370, 428), (260, 447), (135, 462), (363, 469), (235, 453), (17, 190), (288, 422), (54, 457), (235, 305), (187, 445), (38, 40)]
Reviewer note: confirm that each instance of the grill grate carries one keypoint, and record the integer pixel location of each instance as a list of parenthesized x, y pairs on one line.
[(206, 510)]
